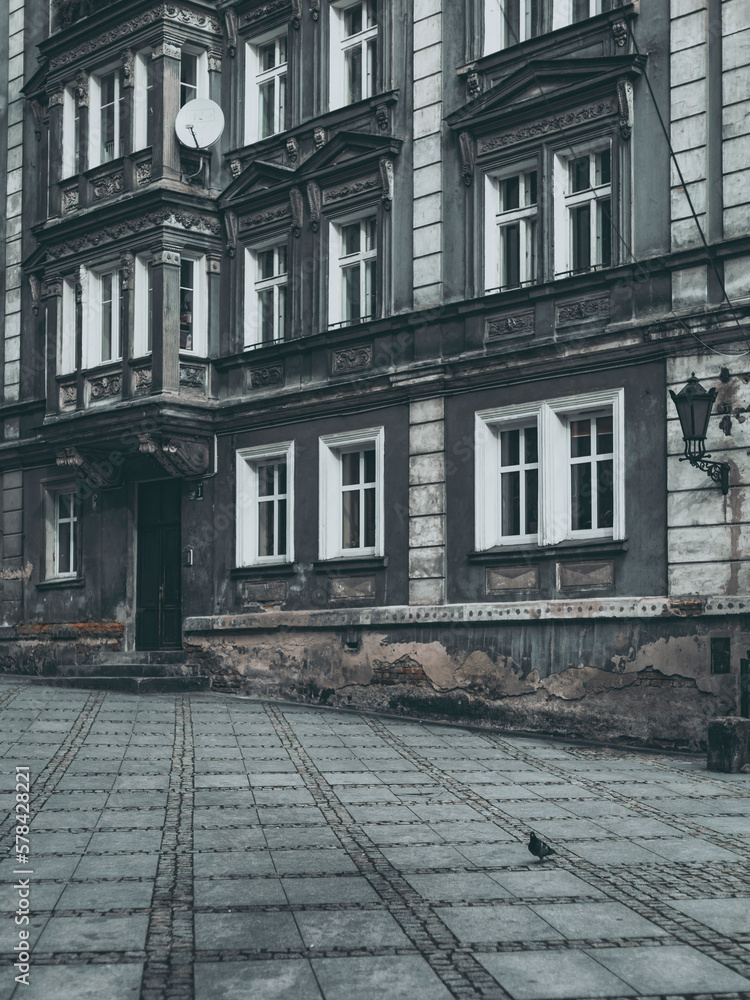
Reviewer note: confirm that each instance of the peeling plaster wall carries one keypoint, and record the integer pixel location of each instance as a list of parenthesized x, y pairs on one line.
[(627, 679)]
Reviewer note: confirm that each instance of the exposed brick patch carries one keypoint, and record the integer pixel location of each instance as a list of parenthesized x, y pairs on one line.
[(72, 630), (405, 670)]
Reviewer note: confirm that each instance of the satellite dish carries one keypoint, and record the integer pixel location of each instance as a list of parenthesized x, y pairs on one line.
[(199, 123)]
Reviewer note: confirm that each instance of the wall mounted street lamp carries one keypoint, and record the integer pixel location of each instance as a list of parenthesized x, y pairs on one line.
[(694, 405)]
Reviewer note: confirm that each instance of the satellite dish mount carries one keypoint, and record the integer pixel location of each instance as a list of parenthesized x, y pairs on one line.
[(198, 126)]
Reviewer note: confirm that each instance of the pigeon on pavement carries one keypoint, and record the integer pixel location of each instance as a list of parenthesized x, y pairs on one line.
[(538, 848)]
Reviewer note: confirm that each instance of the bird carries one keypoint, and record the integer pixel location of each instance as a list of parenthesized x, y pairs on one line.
[(538, 848)]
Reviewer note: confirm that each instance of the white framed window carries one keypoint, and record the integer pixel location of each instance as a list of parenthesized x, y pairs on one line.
[(265, 505), (583, 210), (354, 52), (71, 134), (551, 471), (508, 22), (66, 344), (266, 292), (103, 312), (193, 75), (108, 120), (193, 305), (62, 517), (572, 11), (351, 494), (143, 333), (353, 263), (265, 87), (511, 230), (143, 101)]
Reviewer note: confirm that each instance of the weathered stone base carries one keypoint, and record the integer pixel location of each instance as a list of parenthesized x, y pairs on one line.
[(48, 649)]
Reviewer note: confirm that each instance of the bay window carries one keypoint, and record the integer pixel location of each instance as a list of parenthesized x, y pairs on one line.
[(193, 305), (103, 316)]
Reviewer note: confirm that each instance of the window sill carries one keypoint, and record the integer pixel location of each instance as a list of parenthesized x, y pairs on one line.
[(565, 550), (350, 563), (264, 569), (60, 583)]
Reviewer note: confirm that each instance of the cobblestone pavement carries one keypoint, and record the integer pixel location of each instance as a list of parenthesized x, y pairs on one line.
[(225, 849)]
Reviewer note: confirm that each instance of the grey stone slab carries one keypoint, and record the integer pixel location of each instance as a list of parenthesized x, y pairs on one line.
[(228, 840), (562, 793), (106, 896), (134, 841), (278, 980), (228, 863), (116, 866), (283, 797), (501, 793), (620, 852), (570, 829), (76, 800), (402, 833), (438, 813), (59, 843), (464, 887), (408, 858), (146, 798), (84, 982), (221, 893), (397, 778), (552, 975), (316, 891), (495, 924), (141, 819), (534, 809), (305, 836), (382, 814), (220, 781), (597, 920), (350, 929), (233, 797), (212, 816), (462, 832), (280, 815), (731, 826), (690, 849), (540, 882), (43, 897), (220, 767), (727, 916), (246, 931), (397, 977), (47, 866), (75, 819), (641, 826), (596, 808), (253, 766), (94, 934), (497, 855), (274, 780), (304, 862), (669, 969), (86, 781)]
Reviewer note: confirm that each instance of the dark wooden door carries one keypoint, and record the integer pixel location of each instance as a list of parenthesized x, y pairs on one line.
[(158, 622)]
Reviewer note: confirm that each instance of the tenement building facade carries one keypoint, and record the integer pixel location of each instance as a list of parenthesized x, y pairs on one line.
[(365, 400)]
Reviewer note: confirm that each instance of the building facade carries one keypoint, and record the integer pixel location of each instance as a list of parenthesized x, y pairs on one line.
[(367, 402)]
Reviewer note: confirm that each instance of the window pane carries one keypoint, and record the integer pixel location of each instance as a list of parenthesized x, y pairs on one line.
[(265, 528), (281, 293), (372, 62), (281, 124), (369, 461), (266, 94), (63, 550), (282, 49), (74, 545), (533, 18), (354, 74), (369, 517), (265, 264), (267, 56), (350, 239), (579, 174), (188, 78), (580, 219), (532, 501), (531, 188), (510, 249), (281, 473), (371, 233), (509, 194), (265, 480), (603, 167), (350, 468), (604, 436), (531, 250), (64, 501), (107, 317), (510, 486), (282, 265), (370, 287), (580, 491), (350, 520), (605, 494), (150, 331), (352, 308), (353, 20), (509, 448), (512, 20), (580, 438), (186, 305), (580, 10), (372, 13), (281, 532), (604, 232), (530, 437), (265, 317)]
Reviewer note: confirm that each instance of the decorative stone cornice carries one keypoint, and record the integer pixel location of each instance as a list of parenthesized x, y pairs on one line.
[(126, 228), (546, 125), (250, 19), (262, 218), (368, 183), (180, 457)]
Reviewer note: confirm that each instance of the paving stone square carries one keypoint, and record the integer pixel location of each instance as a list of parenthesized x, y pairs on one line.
[(205, 847)]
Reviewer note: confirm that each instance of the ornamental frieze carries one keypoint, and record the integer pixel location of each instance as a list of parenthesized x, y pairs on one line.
[(350, 359), (166, 11), (142, 381), (265, 10), (127, 227), (192, 377), (68, 396), (546, 125), (105, 387), (107, 186), (143, 172), (585, 309), (349, 190), (518, 324), (250, 221), (70, 198), (259, 378)]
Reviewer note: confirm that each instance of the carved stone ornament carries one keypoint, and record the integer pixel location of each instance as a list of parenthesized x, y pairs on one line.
[(387, 179), (314, 202), (95, 472), (193, 377), (473, 83), (143, 172), (166, 257), (320, 137), (556, 123), (625, 103), (127, 57), (260, 378), (214, 62), (315, 9), (298, 208), (105, 386), (350, 359), (383, 117), (37, 112), (180, 457), (107, 185), (620, 32), (35, 285), (230, 29), (236, 167), (142, 381), (466, 144), (82, 88), (53, 287), (265, 10), (296, 14), (292, 149), (70, 198), (68, 396), (168, 50), (586, 309), (127, 271), (231, 227), (56, 98), (272, 215), (517, 325), (136, 224), (369, 183)]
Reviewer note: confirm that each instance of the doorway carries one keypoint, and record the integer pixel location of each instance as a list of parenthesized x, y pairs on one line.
[(158, 617)]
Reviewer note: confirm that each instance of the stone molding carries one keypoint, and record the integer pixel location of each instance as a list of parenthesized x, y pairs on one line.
[(546, 125)]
